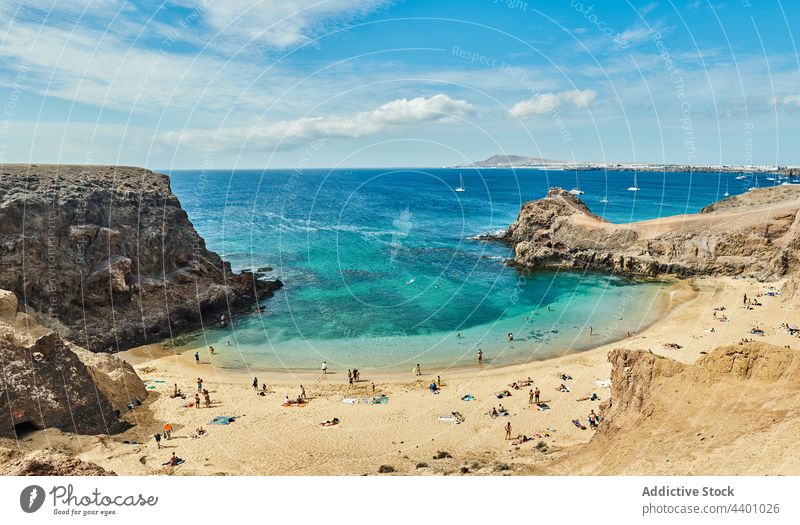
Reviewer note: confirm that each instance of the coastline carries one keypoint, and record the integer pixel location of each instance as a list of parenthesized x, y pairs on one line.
[(269, 439), (152, 354)]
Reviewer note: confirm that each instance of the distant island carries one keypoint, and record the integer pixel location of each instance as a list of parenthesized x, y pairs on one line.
[(521, 161)]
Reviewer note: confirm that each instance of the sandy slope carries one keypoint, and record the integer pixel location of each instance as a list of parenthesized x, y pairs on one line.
[(271, 439)]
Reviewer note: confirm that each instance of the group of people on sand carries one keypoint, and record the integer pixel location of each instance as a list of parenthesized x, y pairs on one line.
[(533, 396), (353, 376)]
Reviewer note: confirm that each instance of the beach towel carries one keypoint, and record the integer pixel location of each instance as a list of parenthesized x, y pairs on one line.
[(222, 420), (380, 400), (151, 387), (468, 397), (179, 462), (603, 383), (453, 417), (577, 423), (293, 404), (542, 406), (350, 401)]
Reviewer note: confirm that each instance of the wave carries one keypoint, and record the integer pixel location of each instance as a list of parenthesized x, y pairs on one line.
[(490, 234)]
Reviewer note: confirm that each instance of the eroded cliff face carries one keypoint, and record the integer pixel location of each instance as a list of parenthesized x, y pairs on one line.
[(51, 383), (108, 255), (756, 234), (734, 411)]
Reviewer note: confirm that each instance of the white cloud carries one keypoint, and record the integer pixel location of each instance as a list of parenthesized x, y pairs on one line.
[(279, 23), (790, 100), (292, 133), (544, 103)]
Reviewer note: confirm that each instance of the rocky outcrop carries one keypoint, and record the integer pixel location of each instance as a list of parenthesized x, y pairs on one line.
[(46, 385), (755, 234), (734, 411), (110, 257), (49, 382), (44, 463)]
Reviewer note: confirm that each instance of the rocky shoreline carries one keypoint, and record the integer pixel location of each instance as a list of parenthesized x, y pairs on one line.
[(106, 256), (755, 234)]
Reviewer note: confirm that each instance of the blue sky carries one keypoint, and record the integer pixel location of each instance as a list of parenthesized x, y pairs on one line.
[(315, 83)]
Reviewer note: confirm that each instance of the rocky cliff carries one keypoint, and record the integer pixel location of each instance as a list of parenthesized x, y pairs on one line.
[(109, 258), (48, 382), (734, 411), (756, 234)]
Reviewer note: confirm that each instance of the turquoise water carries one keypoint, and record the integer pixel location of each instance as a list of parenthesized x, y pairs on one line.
[(382, 271)]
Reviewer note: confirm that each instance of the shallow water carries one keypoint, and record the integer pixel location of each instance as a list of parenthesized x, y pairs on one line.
[(381, 269)]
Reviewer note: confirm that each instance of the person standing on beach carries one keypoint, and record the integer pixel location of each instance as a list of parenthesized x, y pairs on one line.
[(211, 350), (255, 383), (536, 393), (418, 370), (480, 356), (157, 437), (199, 384), (168, 430), (197, 357), (508, 430), (197, 400), (591, 330), (530, 397), (324, 368), (302, 393), (207, 398)]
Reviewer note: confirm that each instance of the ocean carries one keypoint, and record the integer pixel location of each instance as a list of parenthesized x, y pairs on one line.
[(382, 270)]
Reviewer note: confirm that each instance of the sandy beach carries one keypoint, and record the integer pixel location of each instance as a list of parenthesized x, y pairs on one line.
[(404, 433)]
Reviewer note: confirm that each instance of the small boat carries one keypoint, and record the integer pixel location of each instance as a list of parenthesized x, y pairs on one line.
[(604, 200), (577, 189), (740, 177), (460, 184), (726, 194), (635, 186)]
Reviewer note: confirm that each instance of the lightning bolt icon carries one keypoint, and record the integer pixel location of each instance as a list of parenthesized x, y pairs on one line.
[(32, 497)]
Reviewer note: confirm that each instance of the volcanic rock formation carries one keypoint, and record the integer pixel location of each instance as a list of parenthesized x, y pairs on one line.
[(109, 258), (755, 234)]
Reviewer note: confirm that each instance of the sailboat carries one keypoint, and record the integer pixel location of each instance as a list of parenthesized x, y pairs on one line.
[(460, 183), (635, 186), (577, 189), (726, 194)]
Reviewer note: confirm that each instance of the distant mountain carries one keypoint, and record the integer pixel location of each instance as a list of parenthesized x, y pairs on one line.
[(507, 161)]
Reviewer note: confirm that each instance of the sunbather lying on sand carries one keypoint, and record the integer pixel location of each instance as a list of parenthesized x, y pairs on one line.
[(578, 424), (565, 377), (330, 422), (519, 440), (592, 397), (502, 394), (563, 388)]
